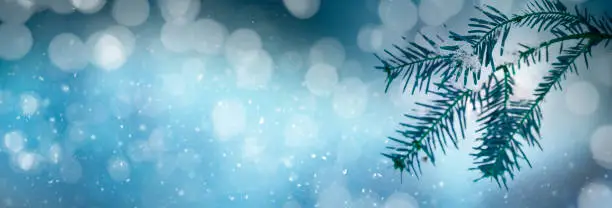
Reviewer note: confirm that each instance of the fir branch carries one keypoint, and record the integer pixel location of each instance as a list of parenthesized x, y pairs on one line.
[(499, 154), (485, 33), (530, 55), (420, 64), (445, 116)]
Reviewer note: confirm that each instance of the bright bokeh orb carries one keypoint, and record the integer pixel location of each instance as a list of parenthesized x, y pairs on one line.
[(131, 12), (302, 9), (177, 37), (16, 11), (301, 131), (16, 41), (180, 11), (88, 6), (334, 196), (401, 200), (240, 44), (595, 195), (229, 119), (321, 79), (211, 36), (68, 52), (255, 70), (14, 141), (107, 51), (327, 51), (118, 168), (399, 15), (582, 98), (601, 146), (350, 98), (29, 104), (437, 12), (370, 38)]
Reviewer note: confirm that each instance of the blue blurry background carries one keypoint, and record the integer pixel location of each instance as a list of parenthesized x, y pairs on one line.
[(259, 103)]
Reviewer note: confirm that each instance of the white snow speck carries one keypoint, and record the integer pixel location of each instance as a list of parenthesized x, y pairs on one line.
[(321, 79), (582, 98), (16, 41), (327, 51), (229, 119), (131, 12), (399, 15), (14, 141), (350, 98), (68, 52), (302, 9)]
